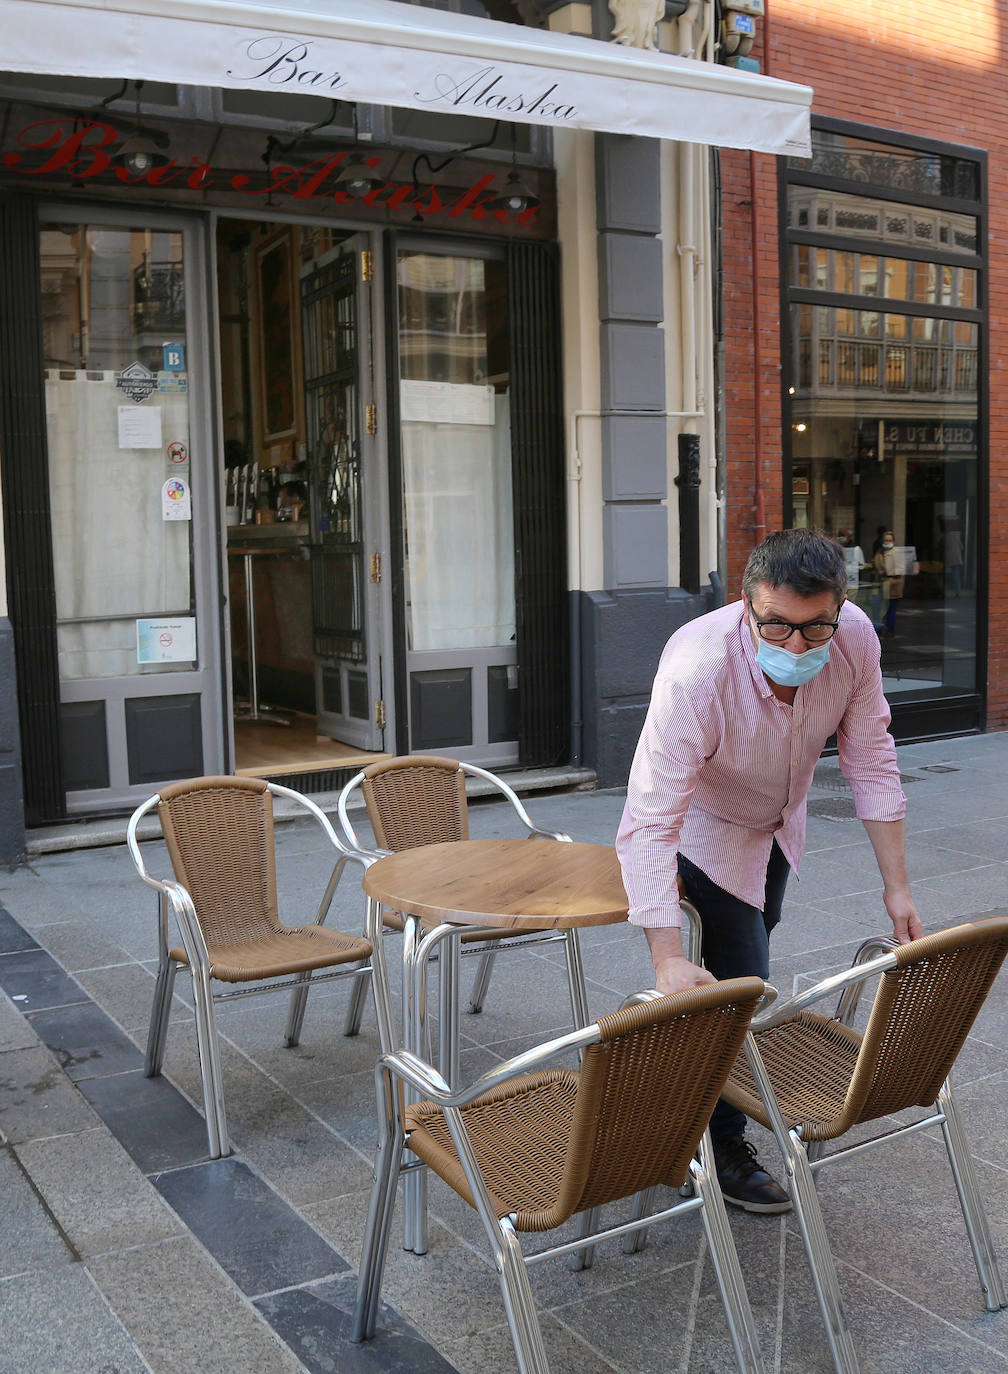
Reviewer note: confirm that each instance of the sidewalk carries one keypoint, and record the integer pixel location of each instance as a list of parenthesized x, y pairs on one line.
[(126, 1250)]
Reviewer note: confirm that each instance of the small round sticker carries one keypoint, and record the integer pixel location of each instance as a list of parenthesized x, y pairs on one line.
[(178, 453)]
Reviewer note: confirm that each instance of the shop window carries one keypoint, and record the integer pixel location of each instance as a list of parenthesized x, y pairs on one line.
[(884, 406)]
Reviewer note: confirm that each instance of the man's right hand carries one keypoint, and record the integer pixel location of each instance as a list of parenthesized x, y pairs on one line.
[(676, 974), (673, 971)]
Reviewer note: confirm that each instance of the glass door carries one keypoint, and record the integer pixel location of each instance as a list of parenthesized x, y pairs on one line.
[(341, 426), (456, 502), (132, 506)]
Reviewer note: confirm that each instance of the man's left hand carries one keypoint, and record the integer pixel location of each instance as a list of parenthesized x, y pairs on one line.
[(903, 914)]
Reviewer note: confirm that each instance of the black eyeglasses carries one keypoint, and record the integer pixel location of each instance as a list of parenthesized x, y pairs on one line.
[(780, 631)]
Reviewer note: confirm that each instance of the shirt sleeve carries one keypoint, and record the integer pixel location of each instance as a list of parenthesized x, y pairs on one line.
[(679, 734), (866, 750)]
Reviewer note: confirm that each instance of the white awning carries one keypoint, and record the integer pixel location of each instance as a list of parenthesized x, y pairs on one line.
[(386, 53)]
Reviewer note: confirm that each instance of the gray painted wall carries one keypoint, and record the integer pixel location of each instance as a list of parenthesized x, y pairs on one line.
[(624, 628)]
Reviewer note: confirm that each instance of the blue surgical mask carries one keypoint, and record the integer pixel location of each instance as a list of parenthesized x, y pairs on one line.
[(791, 670)]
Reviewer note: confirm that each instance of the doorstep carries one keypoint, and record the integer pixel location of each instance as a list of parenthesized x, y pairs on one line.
[(96, 832)]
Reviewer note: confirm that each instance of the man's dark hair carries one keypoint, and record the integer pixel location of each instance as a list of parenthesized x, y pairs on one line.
[(807, 562)]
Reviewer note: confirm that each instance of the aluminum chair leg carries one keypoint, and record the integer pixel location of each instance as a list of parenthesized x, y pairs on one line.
[(157, 1036), (971, 1202), (449, 977), (741, 1325), (587, 1222), (820, 1256), (519, 1305), (358, 998), (643, 1203), (481, 982), (388, 1037), (210, 1066), (388, 1158), (806, 1205), (295, 1016), (414, 993)]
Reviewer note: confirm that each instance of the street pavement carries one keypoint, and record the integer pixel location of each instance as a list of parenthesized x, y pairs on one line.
[(125, 1249)]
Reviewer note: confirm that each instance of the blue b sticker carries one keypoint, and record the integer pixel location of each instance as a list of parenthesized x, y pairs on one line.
[(174, 357)]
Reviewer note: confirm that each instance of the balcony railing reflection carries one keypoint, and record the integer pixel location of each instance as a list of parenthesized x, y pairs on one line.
[(858, 365)]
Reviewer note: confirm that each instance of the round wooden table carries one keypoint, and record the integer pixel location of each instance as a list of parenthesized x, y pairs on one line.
[(533, 884), (466, 885)]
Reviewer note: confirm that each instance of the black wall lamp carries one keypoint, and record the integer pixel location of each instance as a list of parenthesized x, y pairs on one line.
[(142, 150), (357, 177), (516, 197)]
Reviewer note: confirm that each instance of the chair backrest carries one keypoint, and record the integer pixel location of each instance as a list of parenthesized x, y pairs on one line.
[(414, 800), (923, 1011), (646, 1091), (219, 835)]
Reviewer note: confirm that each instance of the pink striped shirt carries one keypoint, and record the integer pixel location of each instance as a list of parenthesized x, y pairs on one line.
[(723, 768)]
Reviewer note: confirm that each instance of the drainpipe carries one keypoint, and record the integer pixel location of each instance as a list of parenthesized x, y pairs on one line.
[(759, 502)]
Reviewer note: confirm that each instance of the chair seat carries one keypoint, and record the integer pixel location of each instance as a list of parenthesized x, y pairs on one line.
[(289, 950), (519, 1133), (810, 1060)]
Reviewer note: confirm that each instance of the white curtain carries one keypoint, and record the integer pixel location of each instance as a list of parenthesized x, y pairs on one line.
[(459, 532), (113, 552)]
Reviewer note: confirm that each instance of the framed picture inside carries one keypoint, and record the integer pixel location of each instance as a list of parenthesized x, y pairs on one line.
[(276, 336)]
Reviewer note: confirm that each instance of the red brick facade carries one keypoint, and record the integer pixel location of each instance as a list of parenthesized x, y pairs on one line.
[(933, 72)]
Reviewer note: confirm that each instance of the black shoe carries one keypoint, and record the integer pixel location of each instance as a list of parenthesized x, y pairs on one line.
[(744, 1182)]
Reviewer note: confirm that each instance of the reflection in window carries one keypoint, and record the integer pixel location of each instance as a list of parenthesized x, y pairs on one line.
[(883, 410)]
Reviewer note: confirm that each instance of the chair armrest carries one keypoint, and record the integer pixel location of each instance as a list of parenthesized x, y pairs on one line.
[(341, 810), (133, 844), (473, 771), (188, 923), (425, 1078), (353, 852), (848, 1001), (836, 982), (770, 996)]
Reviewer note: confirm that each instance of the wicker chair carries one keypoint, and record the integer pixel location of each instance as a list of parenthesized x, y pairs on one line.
[(420, 799), (811, 1078), (219, 836), (530, 1149)]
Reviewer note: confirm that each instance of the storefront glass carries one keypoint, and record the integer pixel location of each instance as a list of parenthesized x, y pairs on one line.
[(884, 402), (118, 436)]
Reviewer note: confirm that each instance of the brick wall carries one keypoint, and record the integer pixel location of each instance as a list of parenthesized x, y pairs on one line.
[(932, 71)]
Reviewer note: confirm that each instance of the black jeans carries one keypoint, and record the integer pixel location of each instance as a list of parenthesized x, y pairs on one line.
[(736, 942)]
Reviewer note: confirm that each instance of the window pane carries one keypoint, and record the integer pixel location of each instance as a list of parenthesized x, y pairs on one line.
[(116, 396), (909, 169)]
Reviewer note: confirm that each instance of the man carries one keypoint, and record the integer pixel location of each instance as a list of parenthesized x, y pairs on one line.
[(744, 701)]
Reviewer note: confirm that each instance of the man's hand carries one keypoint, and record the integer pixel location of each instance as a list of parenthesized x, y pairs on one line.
[(677, 974), (673, 971), (903, 914)]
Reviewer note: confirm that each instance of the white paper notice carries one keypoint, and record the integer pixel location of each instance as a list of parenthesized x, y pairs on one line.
[(166, 640), (447, 403), (176, 503), (139, 427)]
